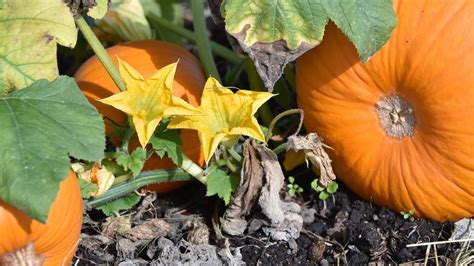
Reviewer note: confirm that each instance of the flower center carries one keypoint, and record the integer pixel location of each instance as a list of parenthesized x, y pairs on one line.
[(396, 116)]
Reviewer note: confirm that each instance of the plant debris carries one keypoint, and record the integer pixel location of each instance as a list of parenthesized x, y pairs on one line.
[(313, 147), (78, 6), (262, 179)]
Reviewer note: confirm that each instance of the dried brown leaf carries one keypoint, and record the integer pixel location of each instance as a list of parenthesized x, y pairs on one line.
[(313, 147), (246, 194), (150, 229)]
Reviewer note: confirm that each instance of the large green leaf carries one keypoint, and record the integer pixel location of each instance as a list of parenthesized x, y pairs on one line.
[(29, 32), (275, 32), (367, 23), (41, 126), (268, 21)]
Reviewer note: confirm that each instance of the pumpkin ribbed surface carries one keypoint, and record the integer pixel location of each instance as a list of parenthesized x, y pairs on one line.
[(402, 125), (146, 57), (57, 239)]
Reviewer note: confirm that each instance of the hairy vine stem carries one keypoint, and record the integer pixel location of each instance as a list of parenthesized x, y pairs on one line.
[(143, 179), (280, 116), (99, 50), (217, 48), (202, 40)]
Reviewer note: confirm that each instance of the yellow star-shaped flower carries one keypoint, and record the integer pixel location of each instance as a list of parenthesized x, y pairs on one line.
[(149, 100), (227, 116)]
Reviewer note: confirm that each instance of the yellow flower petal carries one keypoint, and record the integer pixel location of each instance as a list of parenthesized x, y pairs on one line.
[(149, 100), (228, 115)]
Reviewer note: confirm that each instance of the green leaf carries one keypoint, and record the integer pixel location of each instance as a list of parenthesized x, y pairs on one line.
[(221, 184), (323, 195), (40, 127), (169, 142), (125, 19), (291, 179), (113, 167), (123, 203), (87, 188), (99, 10), (171, 10), (290, 28), (29, 32), (266, 21), (367, 23), (332, 187), (133, 162)]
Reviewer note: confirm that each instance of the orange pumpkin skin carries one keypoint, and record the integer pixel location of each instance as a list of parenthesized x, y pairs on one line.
[(429, 63), (57, 239), (146, 57)]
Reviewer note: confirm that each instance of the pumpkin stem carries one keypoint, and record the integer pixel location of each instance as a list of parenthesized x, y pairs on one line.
[(25, 256), (396, 116)]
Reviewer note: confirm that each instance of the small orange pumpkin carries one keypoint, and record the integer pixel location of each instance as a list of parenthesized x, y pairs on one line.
[(146, 57), (57, 239), (402, 125)]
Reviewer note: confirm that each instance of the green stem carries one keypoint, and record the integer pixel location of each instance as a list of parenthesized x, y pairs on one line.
[(280, 116), (143, 179), (229, 164), (218, 49), (193, 169), (100, 52), (202, 39), (234, 154), (126, 138), (256, 84), (280, 148)]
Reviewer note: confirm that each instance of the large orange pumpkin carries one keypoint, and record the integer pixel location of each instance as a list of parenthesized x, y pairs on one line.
[(146, 57), (57, 239), (402, 125)]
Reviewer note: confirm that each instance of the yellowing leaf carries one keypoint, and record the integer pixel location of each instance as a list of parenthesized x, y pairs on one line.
[(29, 34), (99, 10), (125, 20), (149, 100), (228, 116)]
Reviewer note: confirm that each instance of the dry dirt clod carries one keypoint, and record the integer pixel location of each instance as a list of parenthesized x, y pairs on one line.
[(198, 233), (316, 250), (95, 247), (25, 256), (150, 229), (127, 248)]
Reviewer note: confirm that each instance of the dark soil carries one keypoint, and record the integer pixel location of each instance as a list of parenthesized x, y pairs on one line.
[(350, 231), (345, 230)]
